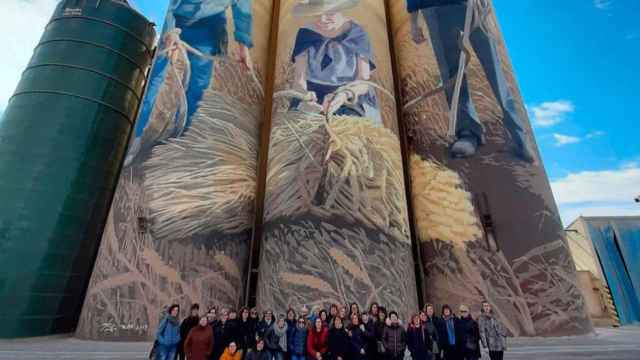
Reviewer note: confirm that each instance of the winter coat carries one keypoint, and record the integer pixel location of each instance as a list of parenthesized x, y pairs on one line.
[(291, 328), (297, 343), (358, 342), (246, 334), (262, 327), (223, 334), (199, 343), (443, 335), (258, 355), (272, 340), (432, 329), (370, 337), (186, 326), (228, 356), (394, 339), (339, 344), (168, 332), (317, 342), (419, 342), (468, 338), (492, 333)]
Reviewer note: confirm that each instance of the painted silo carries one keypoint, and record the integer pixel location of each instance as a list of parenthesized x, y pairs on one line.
[(485, 217), (335, 217), (180, 226), (63, 137)]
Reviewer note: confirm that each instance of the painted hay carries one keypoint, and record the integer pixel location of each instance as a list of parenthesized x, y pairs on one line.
[(348, 167), (204, 182), (443, 208)]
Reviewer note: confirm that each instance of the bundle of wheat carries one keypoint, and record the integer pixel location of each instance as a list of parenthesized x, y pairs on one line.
[(347, 167), (205, 181), (443, 208)]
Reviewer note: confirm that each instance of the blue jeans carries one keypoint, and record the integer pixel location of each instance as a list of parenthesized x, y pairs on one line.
[(166, 352), (209, 36), (298, 357), (445, 24)]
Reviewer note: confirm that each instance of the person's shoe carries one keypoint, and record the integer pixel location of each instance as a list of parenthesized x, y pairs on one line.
[(464, 147)]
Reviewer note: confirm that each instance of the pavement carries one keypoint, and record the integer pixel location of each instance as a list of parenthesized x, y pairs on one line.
[(604, 344)]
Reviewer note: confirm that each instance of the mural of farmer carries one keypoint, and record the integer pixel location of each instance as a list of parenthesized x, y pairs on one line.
[(333, 56), (199, 29), (446, 22)]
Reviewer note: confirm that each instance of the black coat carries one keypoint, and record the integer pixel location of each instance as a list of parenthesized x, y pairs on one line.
[(468, 338), (370, 338), (186, 326), (339, 344), (223, 334), (419, 343), (262, 327), (246, 334), (443, 337), (358, 342), (432, 329)]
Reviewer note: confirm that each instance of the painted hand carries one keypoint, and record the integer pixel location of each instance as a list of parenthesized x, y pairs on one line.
[(243, 56), (171, 42), (332, 104), (417, 34)]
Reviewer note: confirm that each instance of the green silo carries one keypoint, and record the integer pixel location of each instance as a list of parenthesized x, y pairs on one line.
[(63, 138)]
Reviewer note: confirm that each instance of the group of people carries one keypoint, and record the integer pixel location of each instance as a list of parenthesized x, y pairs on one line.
[(341, 333)]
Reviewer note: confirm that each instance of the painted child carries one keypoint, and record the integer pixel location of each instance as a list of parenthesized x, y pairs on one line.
[(330, 52)]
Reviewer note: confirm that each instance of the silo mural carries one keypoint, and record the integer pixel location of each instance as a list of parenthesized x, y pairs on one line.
[(335, 222), (484, 213), (180, 225)]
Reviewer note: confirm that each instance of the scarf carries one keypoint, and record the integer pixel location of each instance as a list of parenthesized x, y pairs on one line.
[(282, 335), (173, 320)]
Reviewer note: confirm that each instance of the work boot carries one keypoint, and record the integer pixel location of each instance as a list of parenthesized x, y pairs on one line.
[(464, 147)]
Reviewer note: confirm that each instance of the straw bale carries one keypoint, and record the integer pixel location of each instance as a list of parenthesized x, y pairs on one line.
[(205, 180)]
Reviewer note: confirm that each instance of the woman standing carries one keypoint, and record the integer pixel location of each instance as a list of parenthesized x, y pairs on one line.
[(467, 336), (369, 335), (418, 340), (317, 341), (431, 323), (199, 342), (297, 343), (246, 331), (168, 334), (358, 339), (276, 339), (394, 338), (447, 333), (339, 344), (291, 328), (379, 329), (493, 333)]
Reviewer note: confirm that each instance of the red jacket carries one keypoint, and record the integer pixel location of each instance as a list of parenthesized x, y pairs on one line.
[(317, 342)]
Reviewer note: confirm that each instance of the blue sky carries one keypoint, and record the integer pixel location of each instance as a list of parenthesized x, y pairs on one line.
[(577, 65)]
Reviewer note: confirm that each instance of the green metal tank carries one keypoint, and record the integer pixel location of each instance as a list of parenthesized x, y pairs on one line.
[(63, 138)]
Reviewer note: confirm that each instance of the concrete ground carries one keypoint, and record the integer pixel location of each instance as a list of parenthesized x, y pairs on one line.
[(605, 344)]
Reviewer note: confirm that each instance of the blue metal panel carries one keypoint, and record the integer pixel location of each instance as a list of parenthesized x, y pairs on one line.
[(628, 236), (613, 266)]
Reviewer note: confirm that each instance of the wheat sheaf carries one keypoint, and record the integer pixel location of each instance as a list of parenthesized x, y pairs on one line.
[(309, 281), (443, 208)]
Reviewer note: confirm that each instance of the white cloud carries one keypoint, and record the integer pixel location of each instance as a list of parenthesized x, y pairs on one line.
[(551, 113), (603, 4), (21, 25), (598, 193), (595, 134), (562, 140)]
